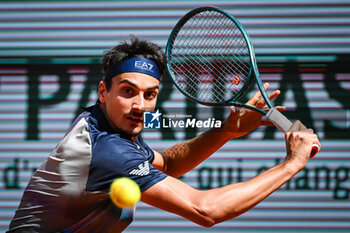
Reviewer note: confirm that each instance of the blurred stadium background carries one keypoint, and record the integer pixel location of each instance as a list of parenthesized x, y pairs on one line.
[(50, 65)]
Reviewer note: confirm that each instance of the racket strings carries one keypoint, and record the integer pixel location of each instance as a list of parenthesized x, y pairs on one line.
[(199, 62), (209, 55), (216, 95), (239, 48)]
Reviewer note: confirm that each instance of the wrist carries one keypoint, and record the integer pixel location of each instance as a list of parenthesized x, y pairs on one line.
[(293, 166), (221, 134), (226, 133), (228, 130)]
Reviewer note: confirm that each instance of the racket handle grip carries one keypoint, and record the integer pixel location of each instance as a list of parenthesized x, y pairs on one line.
[(314, 150), (285, 125), (278, 119)]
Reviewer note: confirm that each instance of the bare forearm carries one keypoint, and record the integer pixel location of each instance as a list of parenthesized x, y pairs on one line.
[(216, 205), (185, 156), (213, 206), (231, 201)]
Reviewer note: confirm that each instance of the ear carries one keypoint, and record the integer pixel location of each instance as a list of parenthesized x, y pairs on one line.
[(102, 91)]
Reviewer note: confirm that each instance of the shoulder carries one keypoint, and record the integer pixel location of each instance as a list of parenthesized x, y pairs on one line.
[(114, 157), (111, 148)]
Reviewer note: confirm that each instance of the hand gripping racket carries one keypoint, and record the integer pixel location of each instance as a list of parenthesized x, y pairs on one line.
[(212, 62)]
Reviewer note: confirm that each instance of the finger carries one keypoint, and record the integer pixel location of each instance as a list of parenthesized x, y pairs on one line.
[(261, 103), (234, 110), (281, 108), (274, 94), (266, 85), (256, 97)]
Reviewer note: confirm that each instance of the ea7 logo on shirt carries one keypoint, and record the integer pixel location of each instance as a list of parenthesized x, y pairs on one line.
[(142, 171), (143, 65), (151, 120)]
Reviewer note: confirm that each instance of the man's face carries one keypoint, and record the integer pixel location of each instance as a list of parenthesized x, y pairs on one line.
[(129, 96)]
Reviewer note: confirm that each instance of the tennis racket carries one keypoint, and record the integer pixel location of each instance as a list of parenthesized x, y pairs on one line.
[(211, 61)]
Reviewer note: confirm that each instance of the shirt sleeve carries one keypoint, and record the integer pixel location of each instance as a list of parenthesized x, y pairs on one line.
[(114, 157)]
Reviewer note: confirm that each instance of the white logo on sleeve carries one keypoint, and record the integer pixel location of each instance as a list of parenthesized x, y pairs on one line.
[(142, 171)]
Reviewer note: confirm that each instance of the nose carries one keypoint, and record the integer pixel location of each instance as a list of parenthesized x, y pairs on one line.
[(139, 102)]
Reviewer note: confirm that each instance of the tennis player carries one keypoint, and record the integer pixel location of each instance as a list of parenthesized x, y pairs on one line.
[(69, 191)]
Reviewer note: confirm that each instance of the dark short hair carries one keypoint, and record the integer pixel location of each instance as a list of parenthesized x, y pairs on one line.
[(136, 47)]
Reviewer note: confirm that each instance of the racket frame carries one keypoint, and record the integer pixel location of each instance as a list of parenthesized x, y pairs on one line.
[(273, 115), (253, 68)]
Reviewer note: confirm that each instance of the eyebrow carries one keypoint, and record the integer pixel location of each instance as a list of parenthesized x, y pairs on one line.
[(134, 85)]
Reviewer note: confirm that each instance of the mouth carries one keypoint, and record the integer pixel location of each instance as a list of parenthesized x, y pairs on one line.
[(135, 118)]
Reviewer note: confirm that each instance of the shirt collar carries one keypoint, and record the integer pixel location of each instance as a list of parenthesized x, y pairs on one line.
[(99, 119)]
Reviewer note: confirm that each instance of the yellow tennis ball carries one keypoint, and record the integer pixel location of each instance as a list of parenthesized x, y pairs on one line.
[(125, 192)]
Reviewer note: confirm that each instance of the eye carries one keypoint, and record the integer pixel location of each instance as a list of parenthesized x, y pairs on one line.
[(150, 95), (128, 91)]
